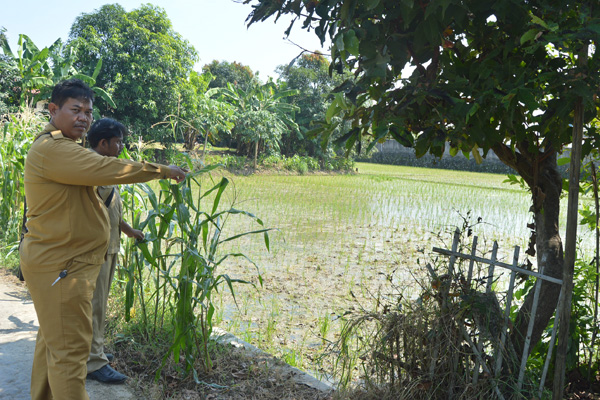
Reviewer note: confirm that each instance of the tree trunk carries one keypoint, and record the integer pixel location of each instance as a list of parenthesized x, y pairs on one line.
[(540, 172), (255, 153), (565, 308), (189, 139), (204, 147)]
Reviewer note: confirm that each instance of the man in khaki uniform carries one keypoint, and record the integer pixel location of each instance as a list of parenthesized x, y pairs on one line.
[(106, 138), (67, 238)]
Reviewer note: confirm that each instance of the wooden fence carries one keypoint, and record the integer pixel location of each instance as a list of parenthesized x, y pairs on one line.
[(491, 350)]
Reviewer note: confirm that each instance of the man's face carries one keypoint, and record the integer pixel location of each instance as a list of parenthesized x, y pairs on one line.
[(73, 118), (110, 147)]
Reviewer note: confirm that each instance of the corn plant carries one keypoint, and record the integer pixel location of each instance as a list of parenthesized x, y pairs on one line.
[(175, 271), (18, 134)]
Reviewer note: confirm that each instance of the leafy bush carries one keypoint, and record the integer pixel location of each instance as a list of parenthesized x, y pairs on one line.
[(338, 164), (296, 164), (272, 161), (234, 163)]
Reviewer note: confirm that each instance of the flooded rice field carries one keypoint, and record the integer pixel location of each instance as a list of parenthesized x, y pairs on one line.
[(342, 242)]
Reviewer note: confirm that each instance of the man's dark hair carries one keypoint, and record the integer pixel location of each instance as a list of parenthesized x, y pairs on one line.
[(71, 88), (105, 128)]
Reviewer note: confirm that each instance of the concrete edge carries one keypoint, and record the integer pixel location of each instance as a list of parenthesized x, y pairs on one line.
[(301, 377)]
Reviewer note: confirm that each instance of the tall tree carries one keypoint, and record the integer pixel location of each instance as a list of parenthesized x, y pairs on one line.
[(486, 75), (10, 85), (237, 74), (145, 62), (309, 75)]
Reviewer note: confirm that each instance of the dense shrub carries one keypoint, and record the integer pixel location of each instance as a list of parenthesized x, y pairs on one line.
[(338, 164), (232, 162), (296, 164)]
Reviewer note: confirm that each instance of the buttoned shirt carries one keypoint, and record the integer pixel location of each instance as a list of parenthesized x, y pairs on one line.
[(66, 219)]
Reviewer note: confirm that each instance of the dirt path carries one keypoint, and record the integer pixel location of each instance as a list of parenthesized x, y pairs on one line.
[(18, 329)]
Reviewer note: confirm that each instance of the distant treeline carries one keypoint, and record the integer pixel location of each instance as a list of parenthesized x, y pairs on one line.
[(490, 165), (459, 163)]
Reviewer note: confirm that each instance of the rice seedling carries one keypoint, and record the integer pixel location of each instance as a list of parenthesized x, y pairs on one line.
[(324, 326), (343, 235), (293, 358)]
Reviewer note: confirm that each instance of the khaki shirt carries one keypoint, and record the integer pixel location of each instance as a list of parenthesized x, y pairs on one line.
[(115, 214), (66, 220)]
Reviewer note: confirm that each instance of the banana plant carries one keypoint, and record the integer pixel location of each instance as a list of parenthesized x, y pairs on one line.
[(41, 69), (262, 114)]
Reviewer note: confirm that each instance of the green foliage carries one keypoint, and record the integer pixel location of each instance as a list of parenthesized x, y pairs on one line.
[(17, 135), (32, 64), (502, 76), (338, 164), (309, 74), (40, 70), (429, 161), (234, 73), (145, 63), (582, 354), (515, 180), (262, 116), (203, 115), (174, 273), (298, 164), (477, 80), (10, 83), (204, 111), (234, 163)]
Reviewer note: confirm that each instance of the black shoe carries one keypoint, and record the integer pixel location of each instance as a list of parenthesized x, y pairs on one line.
[(109, 356), (107, 375)]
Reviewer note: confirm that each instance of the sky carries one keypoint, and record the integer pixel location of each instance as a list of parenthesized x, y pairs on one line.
[(216, 29)]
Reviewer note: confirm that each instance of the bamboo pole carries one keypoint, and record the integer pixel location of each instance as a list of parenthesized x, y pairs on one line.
[(550, 347), (509, 298), (534, 307), (570, 243)]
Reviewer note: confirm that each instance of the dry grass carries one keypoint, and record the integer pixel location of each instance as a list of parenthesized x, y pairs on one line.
[(237, 374)]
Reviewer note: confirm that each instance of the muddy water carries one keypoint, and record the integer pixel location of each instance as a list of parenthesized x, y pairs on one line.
[(345, 243), (340, 246)]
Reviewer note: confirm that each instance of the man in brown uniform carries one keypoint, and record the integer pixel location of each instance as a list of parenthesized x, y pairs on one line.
[(67, 238), (106, 138)]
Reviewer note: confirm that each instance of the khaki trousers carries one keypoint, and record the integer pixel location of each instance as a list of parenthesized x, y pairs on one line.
[(97, 358), (64, 312)]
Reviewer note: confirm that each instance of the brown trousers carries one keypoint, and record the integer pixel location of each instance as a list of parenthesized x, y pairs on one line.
[(97, 357), (63, 342)]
